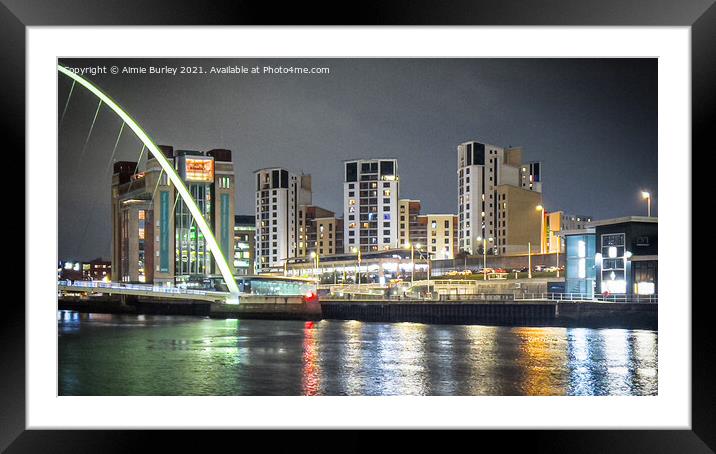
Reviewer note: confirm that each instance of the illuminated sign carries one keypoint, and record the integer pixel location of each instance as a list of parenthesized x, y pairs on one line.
[(199, 170)]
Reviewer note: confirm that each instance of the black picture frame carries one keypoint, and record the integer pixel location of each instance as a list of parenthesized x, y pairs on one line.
[(700, 15)]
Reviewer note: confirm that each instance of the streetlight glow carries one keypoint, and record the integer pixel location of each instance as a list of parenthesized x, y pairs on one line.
[(647, 196)]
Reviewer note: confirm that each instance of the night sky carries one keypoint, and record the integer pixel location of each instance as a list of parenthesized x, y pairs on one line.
[(592, 123)]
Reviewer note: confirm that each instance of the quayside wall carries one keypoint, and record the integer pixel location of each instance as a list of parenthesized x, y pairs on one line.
[(497, 312), (510, 313)]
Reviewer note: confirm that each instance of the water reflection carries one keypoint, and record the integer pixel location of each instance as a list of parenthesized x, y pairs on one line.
[(645, 360), (400, 367), (125, 355), (477, 373), (352, 370), (543, 360), (618, 356), (439, 364), (581, 374), (311, 381), (612, 362)]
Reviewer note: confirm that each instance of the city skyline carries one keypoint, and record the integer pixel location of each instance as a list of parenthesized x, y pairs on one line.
[(420, 123)]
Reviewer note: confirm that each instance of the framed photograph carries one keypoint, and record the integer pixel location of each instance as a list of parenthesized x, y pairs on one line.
[(437, 218)]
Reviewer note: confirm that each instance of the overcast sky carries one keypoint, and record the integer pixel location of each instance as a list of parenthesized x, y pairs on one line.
[(591, 122)]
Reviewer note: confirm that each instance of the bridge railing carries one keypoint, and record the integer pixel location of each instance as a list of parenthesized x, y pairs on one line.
[(127, 286)]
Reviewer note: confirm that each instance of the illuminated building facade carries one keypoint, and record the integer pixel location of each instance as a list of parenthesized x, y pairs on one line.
[(613, 256), (279, 193), (579, 272), (626, 257), (434, 234), (370, 205), (155, 239), (440, 237), (94, 270), (483, 172), (320, 231), (409, 210), (244, 253)]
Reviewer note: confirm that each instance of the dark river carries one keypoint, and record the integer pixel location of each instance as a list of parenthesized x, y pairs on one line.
[(103, 354)]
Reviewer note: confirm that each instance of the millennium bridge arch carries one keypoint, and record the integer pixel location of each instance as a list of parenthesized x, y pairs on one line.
[(173, 176)]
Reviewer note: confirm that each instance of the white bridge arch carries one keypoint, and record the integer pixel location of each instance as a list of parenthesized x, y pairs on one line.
[(219, 258)]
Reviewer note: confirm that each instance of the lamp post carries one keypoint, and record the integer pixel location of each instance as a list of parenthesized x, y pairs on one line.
[(314, 256), (412, 247), (647, 196), (540, 208), (529, 260), (484, 256)]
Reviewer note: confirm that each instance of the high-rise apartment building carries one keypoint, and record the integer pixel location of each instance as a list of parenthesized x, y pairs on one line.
[(154, 236), (279, 193), (370, 205), (483, 208)]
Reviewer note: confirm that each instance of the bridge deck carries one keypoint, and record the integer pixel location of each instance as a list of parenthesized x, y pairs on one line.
[(145, 290)]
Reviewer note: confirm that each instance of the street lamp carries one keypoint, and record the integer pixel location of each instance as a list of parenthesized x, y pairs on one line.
[(314, 256), (484, 256), (357, 249), (529, 260), (540, 208), (412, 247), (647, 196)]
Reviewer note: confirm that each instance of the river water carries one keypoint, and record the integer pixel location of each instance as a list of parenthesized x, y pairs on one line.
[(101, 354)]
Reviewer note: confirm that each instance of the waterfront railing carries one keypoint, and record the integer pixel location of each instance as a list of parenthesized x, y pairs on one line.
[(583, 297), (496, 297)]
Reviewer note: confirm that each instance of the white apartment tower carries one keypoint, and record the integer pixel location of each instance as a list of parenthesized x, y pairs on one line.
[(279, 193), (481, 168), (370, 205)]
